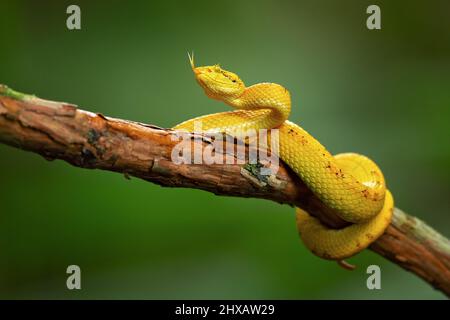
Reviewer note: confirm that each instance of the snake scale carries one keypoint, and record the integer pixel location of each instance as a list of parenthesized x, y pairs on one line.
[(349, 183)]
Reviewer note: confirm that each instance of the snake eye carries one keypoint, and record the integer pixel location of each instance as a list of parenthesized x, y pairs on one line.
[(234, 80)]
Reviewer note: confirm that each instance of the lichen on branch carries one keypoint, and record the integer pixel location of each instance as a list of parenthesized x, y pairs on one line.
[(58, 130)]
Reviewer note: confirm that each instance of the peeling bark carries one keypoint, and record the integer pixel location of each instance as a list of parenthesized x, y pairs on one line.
[(59, 130)]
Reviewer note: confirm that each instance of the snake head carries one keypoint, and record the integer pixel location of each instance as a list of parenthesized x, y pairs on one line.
[(217, 83)]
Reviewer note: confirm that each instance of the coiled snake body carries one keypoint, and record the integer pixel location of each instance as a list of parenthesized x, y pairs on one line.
[(349, 183)]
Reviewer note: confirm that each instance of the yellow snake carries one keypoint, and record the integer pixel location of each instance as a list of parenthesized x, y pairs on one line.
[(350, 183)]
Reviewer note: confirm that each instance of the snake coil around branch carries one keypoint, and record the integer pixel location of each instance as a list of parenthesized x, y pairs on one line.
[(58, 130)]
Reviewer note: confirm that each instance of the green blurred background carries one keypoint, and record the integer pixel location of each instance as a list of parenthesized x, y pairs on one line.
[(382, 93)]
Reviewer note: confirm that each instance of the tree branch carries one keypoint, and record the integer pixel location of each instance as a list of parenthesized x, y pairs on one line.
[(59, 130)]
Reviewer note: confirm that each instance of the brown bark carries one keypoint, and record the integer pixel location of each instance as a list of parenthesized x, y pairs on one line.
[(59, 130)]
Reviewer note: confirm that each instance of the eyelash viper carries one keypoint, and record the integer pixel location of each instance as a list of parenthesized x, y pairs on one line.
[(350, 183)]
